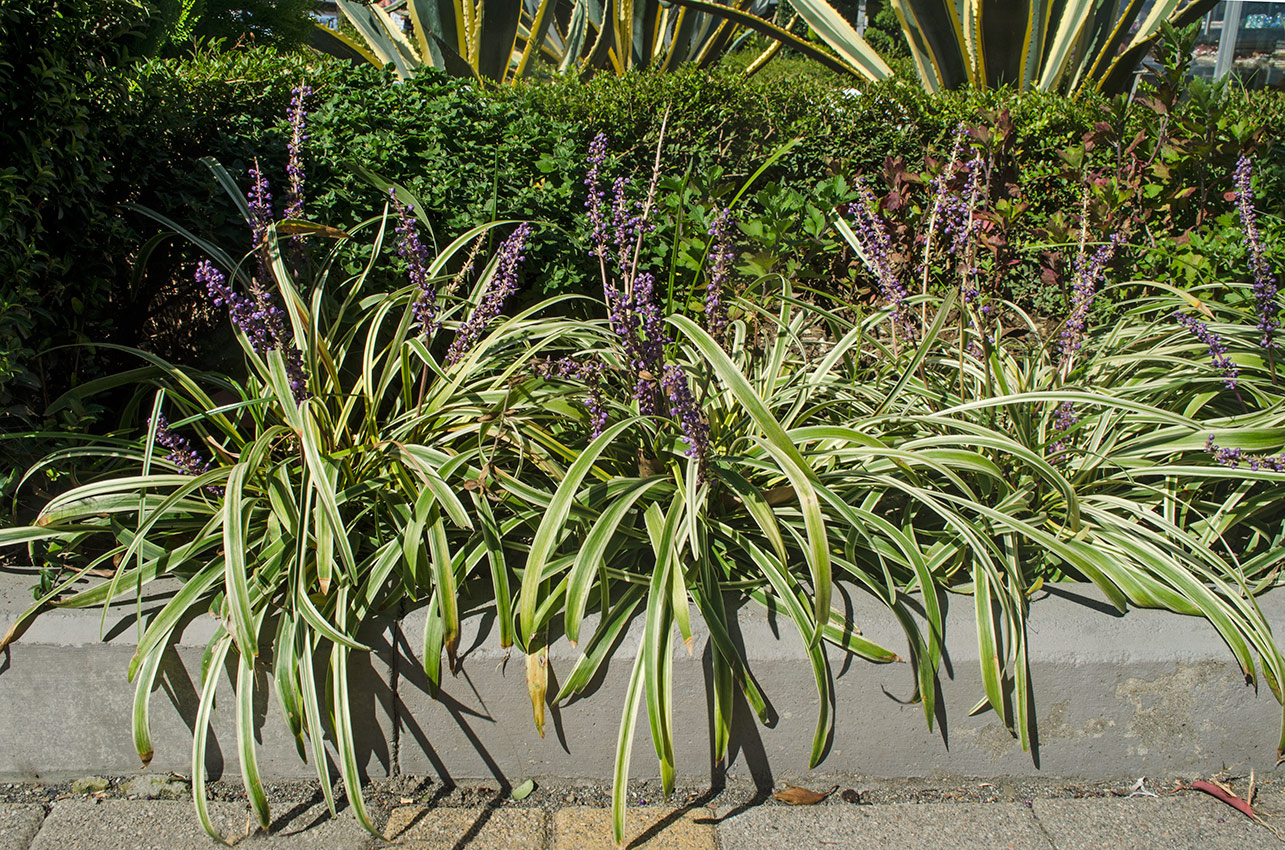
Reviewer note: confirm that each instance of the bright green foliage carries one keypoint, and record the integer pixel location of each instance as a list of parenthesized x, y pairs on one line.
[(173, 27), (883, 30)]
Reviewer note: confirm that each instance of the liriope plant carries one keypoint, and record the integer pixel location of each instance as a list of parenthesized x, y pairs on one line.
[(1142, 454), (354, 466), (396, 445), (297, 510), (688, 481)]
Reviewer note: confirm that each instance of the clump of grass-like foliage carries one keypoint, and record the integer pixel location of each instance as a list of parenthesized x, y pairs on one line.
[(657, 459)]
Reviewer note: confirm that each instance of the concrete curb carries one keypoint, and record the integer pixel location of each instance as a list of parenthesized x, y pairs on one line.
[(1146, 693)]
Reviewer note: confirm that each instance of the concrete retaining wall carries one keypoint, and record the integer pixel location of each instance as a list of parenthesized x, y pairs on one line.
[(1148, 693)]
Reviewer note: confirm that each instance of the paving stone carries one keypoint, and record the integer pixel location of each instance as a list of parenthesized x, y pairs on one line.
[(1186, 822), (170, 825), (928, 826), (652, 827), (18, 825), (442, 828)]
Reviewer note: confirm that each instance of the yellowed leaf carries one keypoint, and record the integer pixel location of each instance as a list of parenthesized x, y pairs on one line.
[(797, 796)]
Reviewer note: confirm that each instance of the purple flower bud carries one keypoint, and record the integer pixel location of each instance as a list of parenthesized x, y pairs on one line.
[(411, 249), (294, 159), (1265, 288), (1217, 350), (502, 285)]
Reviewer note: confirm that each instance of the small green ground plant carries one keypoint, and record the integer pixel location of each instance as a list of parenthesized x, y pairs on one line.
[(708, 435)]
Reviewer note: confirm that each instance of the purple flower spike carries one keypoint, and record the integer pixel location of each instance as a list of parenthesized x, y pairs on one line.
[(940, 184), (412, 250), (1233, 457), (597, 197), (263, 323), (1088, 272), (650, 322), (503, 284), (951, 211), (622, 221), (1265, 288), (587, 373), (260, 202), (684, 409), (241, 309), (872, 235), (294, 160), (1217, 349), (960, 223), (637, 322), (722, 255), (620, 226), (1064, 419), (181, 453), (627, 224)]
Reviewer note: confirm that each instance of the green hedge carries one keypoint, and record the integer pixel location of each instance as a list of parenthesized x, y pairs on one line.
[(57, 236), (471, 153)]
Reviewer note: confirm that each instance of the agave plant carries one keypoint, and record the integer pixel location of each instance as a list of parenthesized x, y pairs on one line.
[(1072, 46), (506, 41), (1081, 45), (460, 38)]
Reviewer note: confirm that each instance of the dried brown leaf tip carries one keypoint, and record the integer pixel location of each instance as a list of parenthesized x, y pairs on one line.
[(796, 796), (1220, 790)]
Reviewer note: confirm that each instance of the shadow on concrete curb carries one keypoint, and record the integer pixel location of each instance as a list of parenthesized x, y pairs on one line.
[(1146, 693)]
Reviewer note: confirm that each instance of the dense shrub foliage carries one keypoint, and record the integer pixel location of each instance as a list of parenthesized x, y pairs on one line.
[(99, 139), (60, 242), (474, 154)]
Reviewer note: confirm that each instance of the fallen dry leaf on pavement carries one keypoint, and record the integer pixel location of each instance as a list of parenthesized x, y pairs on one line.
[(796, 796), (1225, 794)]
